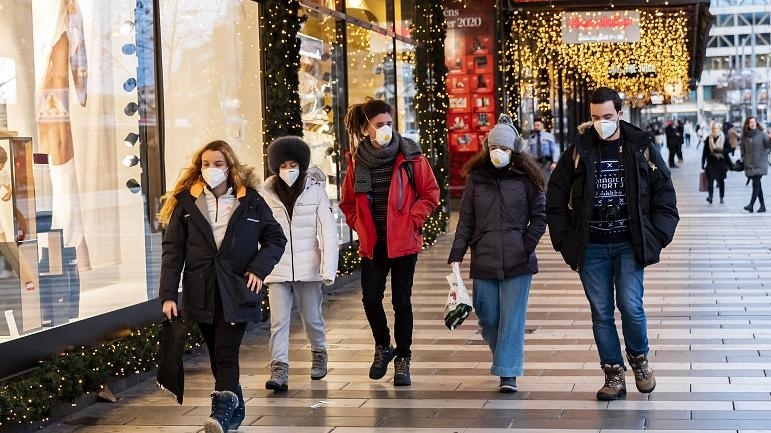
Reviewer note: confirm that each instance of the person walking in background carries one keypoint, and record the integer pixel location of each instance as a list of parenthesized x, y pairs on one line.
[(674, 142), (543, 148), (714, 161), (732, 135), (388, 193), (611, 209), (755, 146), (502, 219), (688, 133), (223, 235), (301, 206)]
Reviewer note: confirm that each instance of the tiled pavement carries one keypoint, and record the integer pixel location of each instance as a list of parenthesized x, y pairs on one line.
[(709, 311)]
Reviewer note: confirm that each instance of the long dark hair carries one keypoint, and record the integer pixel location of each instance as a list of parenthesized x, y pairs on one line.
[(746, 127), (359, 115), (519, 161)]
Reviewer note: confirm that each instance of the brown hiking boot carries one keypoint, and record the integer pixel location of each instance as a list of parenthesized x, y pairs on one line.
[(615, 386), (643, 375)]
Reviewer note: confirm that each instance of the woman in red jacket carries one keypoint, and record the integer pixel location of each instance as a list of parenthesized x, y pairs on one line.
[(388, 192)]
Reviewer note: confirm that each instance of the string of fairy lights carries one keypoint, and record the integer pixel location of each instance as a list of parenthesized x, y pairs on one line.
[(536, 44)]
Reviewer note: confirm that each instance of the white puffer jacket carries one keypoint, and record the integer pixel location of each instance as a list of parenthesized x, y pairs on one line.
[(311, 251)]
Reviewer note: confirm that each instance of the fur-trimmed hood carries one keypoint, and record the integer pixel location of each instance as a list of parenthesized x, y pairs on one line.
[(586, 126)]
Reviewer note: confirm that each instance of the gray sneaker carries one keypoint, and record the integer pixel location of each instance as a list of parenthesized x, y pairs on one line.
[(319, 365), (279, 376)]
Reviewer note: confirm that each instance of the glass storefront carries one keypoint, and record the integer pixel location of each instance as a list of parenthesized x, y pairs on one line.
[(89, 141), (73, 221), (377, 65)]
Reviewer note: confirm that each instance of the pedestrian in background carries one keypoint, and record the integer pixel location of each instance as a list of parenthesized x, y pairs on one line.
[(502, 219), (543, 147), (298, 198), (223, 235), (388, 192), (755, 146), (608, 226), (714, 161)]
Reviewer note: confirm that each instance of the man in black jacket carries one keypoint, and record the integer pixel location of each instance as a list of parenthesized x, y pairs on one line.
[(611, 209)]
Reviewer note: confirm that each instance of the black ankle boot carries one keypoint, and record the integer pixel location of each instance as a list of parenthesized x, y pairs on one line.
[(240, 413), (223, 404)]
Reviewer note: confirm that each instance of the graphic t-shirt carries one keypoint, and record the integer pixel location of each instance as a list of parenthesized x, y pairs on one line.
[(610, 221)]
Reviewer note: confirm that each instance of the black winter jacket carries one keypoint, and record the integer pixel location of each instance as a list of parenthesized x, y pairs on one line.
[(502, 218), (253, 242), (650, 196)]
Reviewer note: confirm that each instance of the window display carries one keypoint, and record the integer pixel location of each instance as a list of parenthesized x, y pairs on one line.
[(71, 234)]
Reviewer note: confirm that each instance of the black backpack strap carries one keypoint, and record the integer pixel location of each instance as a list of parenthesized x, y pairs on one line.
[(408, 169)]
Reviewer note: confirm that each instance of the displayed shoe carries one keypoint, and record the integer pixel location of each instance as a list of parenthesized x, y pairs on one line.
[(508, 384), (223, 404), (709, 200), (643, 375), (279, 376), (615, 385), (748, 208), (402, 372), (383, 357), (319, 364), (240, 413), (762, 209)]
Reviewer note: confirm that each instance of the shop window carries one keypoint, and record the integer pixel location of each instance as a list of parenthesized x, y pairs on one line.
[(406, 90), (370, 66), (403, 11), (75, 115), (212, 91), (371, 11), (317, 90)]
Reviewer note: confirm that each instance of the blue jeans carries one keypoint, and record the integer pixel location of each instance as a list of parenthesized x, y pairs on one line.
[(501, 307), (609, 266)]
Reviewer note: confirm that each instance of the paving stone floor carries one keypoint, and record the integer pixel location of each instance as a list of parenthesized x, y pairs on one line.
[(709, 311)]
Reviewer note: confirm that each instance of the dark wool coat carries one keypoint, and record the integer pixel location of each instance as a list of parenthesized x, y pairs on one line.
[(502, 218), (650, 195), (253, 242)]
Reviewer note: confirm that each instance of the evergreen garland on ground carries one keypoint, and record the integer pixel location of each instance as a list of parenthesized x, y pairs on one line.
[(431, 103), (33, 396), (280, 23)]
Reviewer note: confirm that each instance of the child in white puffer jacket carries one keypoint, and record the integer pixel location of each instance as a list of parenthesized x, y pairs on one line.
[(298, 198)]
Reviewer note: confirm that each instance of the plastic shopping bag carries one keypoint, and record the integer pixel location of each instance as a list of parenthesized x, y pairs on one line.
[(459, 304)]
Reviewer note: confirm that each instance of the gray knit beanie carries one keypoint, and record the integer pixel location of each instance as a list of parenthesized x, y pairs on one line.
[(505, 135)]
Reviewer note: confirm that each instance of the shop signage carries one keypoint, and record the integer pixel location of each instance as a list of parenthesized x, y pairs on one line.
[(595, 27), (628, 70)]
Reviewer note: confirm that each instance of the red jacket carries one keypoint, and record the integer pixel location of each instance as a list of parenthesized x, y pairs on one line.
[(407, 209)]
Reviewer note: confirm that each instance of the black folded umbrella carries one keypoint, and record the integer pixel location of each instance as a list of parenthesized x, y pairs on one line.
[(171, 374)]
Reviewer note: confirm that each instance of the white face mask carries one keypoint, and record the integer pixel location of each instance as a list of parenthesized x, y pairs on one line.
[(214, 176), (606, 128), (289, 175), (383, 135), (500, 158)]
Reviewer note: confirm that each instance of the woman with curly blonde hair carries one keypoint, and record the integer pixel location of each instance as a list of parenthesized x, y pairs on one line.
[(223, 234)]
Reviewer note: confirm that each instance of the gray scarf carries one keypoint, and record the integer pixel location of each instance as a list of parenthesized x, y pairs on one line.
[(367, 158)]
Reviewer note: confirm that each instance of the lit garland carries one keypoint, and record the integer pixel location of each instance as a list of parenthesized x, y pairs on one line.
[(32, 397), (281, 21), (431, 104), (535, 44)]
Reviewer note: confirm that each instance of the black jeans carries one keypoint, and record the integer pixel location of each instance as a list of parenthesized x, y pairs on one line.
[(720, 186), (757, 191), (223, 341), (373, 281)]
